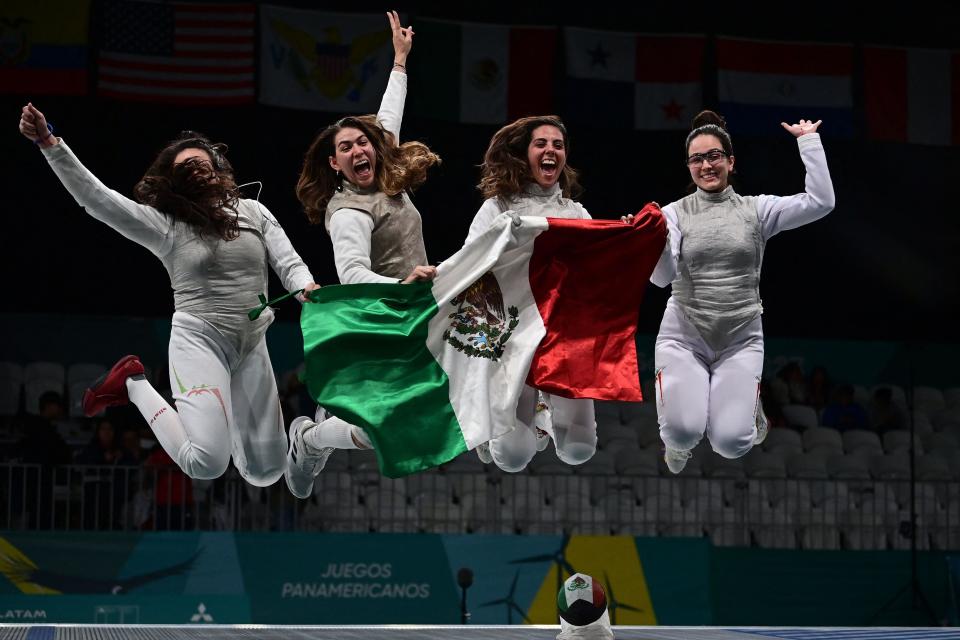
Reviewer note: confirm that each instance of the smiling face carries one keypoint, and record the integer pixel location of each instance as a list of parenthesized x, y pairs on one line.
[(709, 164), (546, 155), (354, 156)]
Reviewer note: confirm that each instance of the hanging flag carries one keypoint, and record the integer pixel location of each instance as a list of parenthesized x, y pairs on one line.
[(912, 95), (482, 73), (44, 51), (180, 52), (630, 80), (336, 62), (761, 84)]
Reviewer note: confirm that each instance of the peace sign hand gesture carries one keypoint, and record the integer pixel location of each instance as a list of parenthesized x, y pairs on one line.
[(402, 39)]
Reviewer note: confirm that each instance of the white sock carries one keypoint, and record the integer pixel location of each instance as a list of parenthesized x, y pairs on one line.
[(333, 432), (162, 418)]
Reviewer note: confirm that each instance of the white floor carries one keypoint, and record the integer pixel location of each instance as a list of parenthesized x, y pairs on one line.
[(417, 632)]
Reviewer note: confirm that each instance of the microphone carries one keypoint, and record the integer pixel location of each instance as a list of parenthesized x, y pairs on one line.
[(464, 580), (465, 577)]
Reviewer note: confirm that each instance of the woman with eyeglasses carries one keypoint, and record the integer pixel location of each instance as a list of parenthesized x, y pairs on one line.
[(355, 180), (216, 247), (709, 351)]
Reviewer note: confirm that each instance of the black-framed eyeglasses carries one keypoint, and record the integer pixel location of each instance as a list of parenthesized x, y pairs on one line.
[(712, 157)]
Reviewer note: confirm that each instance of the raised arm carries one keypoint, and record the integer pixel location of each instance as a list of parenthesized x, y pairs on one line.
[(390, 114), (781, 213), (143, 224)]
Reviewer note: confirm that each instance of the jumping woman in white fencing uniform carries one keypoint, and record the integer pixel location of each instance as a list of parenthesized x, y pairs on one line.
[(354, 181), (525, 170), (709, 351), (217, 248)]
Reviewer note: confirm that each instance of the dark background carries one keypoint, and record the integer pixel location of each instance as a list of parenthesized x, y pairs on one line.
[(883, 265)]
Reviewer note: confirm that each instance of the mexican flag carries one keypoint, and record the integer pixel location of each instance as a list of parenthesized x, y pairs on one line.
[(581, 600), (496, 73), (432, 369)]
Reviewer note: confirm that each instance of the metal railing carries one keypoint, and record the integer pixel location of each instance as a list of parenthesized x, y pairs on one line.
[(766, 512)]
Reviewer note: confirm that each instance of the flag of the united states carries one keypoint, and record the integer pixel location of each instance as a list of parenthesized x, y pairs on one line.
[(188, 53)]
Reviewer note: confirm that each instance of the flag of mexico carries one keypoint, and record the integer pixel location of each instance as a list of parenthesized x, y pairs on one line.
[(432, 369)]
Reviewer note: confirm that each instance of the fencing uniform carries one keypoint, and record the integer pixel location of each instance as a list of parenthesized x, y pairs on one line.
[(569, 422), (709, 351), (220, 371)]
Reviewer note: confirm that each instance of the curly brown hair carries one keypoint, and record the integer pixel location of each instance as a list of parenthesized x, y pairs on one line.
[(398, 168), (505, 170), (202, 196)]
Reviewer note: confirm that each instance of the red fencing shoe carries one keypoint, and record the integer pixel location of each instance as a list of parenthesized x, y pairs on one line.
[(110, 389)]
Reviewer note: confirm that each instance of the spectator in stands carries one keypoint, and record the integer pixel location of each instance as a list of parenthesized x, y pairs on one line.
[(41, 445), (172, 493), (103, 447), (844, 413), (131, 453), (818, 388), (103, 488), (884, 415), (129, 474), (789, 385)]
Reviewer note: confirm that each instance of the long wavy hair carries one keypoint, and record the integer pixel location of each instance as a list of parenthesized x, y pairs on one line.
[(399, 168), (505, 170), (193, 192)]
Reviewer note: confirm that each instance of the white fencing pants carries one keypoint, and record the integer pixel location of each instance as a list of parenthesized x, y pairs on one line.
[(700, 390), (573, 428), (227, 405)]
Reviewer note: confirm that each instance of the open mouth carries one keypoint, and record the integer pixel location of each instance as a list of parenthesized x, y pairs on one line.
[(362, 169), (549, 167)]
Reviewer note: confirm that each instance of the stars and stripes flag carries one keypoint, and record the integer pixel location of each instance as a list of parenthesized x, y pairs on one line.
[(187, 53)]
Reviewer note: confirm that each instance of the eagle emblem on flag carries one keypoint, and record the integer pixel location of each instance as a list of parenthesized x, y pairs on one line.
[(331, 64), (482, 321)]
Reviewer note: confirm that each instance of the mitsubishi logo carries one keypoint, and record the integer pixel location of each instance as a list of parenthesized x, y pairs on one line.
[(201, 615)]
